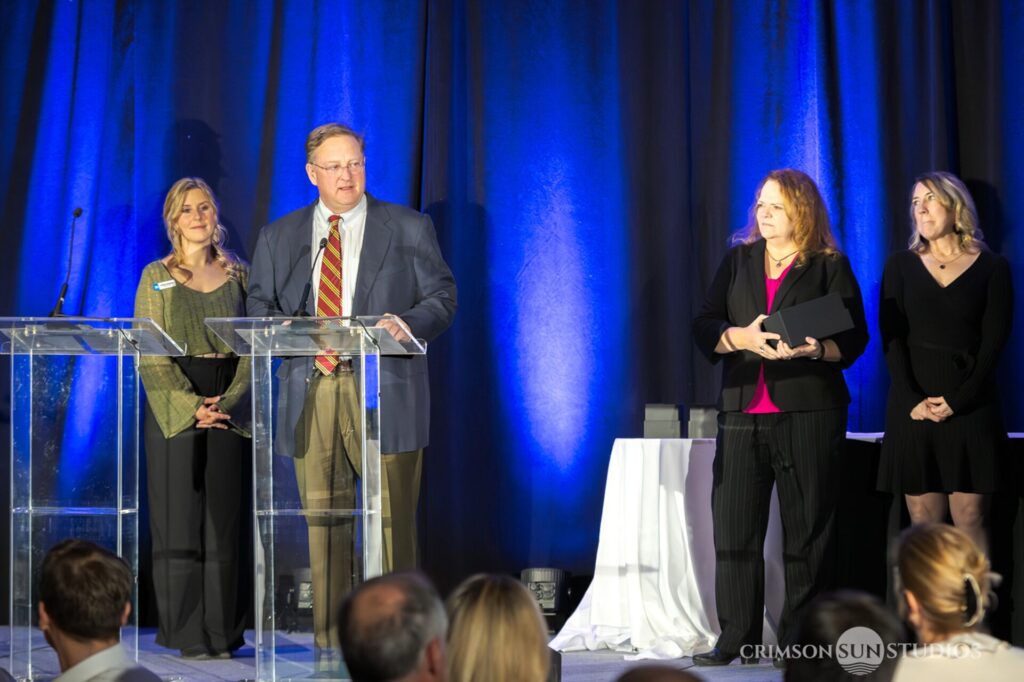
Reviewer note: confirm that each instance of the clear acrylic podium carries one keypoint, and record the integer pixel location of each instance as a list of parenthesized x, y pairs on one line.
[(74, 455), (284, 647)]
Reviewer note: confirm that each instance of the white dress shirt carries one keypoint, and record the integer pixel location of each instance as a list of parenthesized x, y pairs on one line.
[(109, 665), (353, 224)]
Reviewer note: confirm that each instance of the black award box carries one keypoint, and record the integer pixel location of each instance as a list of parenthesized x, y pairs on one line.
[(818, 318)]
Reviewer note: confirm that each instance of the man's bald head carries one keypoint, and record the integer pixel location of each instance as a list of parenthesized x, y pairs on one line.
[(387, 624)]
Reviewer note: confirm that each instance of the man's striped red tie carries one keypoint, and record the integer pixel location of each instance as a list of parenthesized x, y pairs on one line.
[(329, 292)]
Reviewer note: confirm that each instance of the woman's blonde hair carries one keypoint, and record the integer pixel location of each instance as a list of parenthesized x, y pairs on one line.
[(948, 575), (173, 204), (496, 632), (953, 194), (805, 209)]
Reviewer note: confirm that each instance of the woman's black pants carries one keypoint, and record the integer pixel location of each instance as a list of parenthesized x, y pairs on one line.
[(198, 482), (798, 452)]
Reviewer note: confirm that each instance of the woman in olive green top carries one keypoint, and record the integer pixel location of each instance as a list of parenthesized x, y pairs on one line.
[(197, 448)]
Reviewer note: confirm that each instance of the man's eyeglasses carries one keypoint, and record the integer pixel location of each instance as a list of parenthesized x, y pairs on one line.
[(335, 169)]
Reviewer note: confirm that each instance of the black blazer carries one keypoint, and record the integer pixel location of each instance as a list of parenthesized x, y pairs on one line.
[(737, 296)]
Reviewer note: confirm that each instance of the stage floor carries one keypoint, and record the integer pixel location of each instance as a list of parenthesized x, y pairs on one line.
[(588, 666)]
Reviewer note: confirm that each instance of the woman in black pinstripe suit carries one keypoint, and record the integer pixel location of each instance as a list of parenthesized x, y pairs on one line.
[(782, 412)]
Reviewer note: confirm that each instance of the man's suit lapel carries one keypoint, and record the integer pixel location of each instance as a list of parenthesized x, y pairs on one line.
[(376, 241), (755, 272), (299, 262)]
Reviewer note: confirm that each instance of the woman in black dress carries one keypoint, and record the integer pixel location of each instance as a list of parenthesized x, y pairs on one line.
[(945, 317)]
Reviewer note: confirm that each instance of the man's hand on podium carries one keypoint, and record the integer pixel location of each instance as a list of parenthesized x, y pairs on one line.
[(396, 327)]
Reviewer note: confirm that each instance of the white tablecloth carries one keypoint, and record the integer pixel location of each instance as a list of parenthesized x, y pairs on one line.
[(653, 592)]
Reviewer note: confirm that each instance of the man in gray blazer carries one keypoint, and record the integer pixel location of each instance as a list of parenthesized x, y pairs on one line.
[(379, 258)]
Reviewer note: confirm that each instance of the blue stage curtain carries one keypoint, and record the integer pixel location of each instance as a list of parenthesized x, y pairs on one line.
[(585, 164)]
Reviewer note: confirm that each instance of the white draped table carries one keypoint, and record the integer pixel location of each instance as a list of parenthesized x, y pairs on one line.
[(653, 593)]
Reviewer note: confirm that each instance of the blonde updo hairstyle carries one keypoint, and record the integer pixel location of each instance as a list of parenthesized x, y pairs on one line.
[(173, 205), (954, 196), (496, 632), (948, 575), (804, 207)]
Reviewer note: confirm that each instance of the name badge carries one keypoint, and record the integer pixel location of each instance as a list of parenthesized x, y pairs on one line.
[(166, 284)]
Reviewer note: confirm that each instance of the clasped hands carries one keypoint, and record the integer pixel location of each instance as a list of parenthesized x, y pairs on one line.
[(210, 416), (754, 339), (932, 409)]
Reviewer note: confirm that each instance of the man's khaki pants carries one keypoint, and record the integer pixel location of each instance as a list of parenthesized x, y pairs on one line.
[(327, 466)]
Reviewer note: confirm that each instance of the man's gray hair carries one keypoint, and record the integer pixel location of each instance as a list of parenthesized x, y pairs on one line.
[(383, 640), (322, 133)]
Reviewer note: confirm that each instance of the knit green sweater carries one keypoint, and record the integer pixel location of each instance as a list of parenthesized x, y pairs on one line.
[(182, 313)]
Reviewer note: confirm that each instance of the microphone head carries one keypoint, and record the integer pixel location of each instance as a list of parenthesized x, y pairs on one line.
[(323, 243), (77, 212)]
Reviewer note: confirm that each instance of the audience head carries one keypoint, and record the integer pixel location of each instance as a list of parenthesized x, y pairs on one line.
[(84, 592), (943, 196), (656, 673), (822, 624), (803, 206), (944, 580), (496, 632), (393, 628), (190, 200)]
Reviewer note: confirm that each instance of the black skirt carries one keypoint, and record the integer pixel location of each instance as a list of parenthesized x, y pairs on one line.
[(965, 453)]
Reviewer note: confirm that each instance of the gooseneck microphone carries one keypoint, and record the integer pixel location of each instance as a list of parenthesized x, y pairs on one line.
[(301, 310), (58, 309)]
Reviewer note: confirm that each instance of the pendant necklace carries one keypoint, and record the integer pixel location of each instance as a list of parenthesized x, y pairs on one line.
[(778, 261), (943, 264)]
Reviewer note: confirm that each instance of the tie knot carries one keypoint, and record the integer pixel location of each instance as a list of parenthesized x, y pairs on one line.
[(333, 220)]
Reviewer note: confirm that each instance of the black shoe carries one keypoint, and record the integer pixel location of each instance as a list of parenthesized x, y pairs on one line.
[(203, 654), (196, 655), (718, 657)]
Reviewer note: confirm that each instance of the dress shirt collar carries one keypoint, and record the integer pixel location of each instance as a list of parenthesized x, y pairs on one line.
[(110, 658), (358, 211)]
